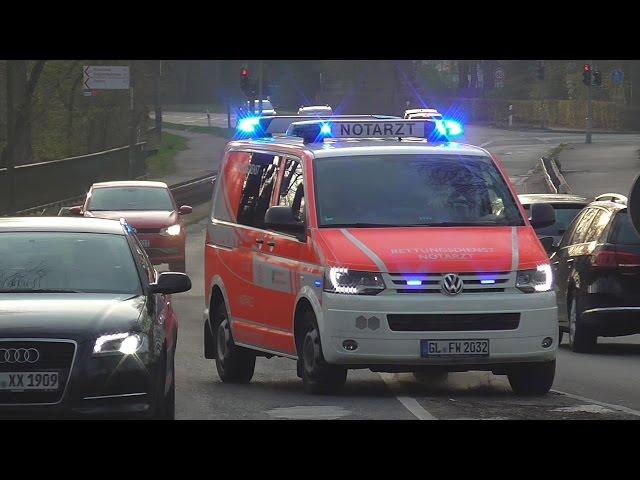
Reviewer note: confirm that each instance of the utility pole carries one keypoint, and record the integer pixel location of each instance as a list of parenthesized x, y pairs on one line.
[(158, 104), (589, 110), (260, 88), (133, 122)]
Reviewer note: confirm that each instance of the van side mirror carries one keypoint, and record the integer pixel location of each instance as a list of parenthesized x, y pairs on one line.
[(281, 219), (185, 210), (542, 215)]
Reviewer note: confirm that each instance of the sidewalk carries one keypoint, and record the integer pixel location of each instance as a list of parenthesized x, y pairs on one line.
[(593, 169), (201, 158)]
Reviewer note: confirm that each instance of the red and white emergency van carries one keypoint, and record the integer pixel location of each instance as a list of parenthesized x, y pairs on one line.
[(357, 243)]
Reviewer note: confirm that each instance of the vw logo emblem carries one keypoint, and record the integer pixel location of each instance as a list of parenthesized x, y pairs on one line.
[(451, 284), (19, 355)]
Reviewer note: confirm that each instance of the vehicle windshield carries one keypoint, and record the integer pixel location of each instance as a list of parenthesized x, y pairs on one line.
[(130, 198), (412, 190), (564, 216), (61, 262), (625, 233)]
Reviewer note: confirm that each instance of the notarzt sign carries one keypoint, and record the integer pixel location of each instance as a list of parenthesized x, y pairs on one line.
[(377, 129)]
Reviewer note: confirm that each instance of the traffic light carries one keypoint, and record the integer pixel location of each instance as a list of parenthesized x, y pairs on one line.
[(244, 80), (597, 78), (586, 74)]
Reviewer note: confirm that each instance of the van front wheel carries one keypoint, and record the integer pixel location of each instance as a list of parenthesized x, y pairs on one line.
[(318, 376), (234, 364), (532, 379)]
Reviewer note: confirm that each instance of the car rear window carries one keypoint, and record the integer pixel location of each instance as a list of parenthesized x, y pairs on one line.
[(565, 213), (624, 231)]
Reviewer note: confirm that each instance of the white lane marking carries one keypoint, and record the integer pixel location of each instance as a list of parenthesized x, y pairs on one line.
[(309, 412), (482, 145), (409, 403), (583, 408), (620, 408)]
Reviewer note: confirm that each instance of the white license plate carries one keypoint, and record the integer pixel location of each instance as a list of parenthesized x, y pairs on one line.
[(454, 348), (145, 243), (29, 380)]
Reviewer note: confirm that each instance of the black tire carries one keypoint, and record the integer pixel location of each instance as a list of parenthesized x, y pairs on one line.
[(429, 376), (318, 376), (234, 364), (560, 337), (581, 340), (178, 267), (532, 379), (166, 405)]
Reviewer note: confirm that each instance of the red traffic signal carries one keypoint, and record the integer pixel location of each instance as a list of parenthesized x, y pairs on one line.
[(586, 74), (244, 72), (587, 68)]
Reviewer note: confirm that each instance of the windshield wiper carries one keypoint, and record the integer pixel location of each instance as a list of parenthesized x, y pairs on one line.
[(41, 290), (362, 224), (461, 224)]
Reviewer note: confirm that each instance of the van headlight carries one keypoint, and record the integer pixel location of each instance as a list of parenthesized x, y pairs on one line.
[(352, 282), (535, 280), (171, 231), (121, 343)]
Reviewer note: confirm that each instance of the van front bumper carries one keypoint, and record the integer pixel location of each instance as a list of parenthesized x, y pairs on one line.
[(344, 318)]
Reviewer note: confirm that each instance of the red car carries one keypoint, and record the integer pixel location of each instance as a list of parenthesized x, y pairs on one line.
[(150, 208)]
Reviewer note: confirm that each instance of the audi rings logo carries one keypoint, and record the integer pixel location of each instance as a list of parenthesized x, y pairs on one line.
[(19, 355), (452, 284)]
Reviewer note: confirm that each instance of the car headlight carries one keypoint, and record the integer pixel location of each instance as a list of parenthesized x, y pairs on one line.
[(172, 231), (121, 343), (535, 280), (352, 282)]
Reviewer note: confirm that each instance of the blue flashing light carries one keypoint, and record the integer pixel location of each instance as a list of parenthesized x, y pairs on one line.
[(454, 129), (440, 126), (325, 129), (317, 283), (488, 281), (248, 125), (414, 283)]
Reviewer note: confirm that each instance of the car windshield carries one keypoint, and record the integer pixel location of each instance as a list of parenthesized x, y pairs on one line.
[(412, 190), (60, 262), (625, 233), (564, 216), (130, 198)]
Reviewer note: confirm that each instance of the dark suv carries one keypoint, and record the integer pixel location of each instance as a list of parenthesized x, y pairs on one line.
[(597, 272)]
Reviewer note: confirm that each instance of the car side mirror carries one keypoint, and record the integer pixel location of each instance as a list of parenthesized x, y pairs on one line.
[(542, 215), (171, 282), (547, 243), (185, 210), (77, 210), (281, 219)]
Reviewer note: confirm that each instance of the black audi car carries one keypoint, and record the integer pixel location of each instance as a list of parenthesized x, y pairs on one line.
[(597, 274), (566, 207), (86, 323)]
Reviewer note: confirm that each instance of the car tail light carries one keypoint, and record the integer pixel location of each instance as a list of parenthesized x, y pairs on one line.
[(613, 259)]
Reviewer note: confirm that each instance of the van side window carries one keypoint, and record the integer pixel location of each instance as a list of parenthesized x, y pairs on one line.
[(292, 188), (257, 189)]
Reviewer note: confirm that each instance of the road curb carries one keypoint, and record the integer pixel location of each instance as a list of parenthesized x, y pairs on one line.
[(553, 177)]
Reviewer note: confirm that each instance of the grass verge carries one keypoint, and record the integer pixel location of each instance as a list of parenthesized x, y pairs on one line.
[(162, 162)]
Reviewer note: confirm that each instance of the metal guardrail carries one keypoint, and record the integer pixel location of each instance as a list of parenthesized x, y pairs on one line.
[(192, 192)]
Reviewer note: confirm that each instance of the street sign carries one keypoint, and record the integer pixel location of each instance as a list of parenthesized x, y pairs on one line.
[(617, 76), (499, 74), (101, 77)]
